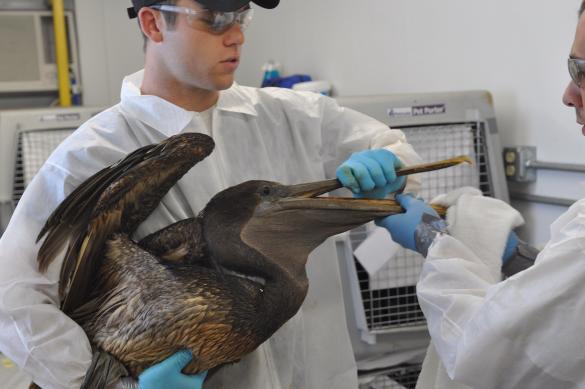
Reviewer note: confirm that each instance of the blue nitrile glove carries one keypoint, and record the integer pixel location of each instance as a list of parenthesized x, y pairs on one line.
[(371, 173), (511, 246), (167, 374), (518, 255), (417, 227)]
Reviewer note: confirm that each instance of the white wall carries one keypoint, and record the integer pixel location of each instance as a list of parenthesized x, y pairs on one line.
[(110, 48), (516, 49)]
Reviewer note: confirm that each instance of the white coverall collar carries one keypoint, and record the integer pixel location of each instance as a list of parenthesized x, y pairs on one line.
[(169, 118)]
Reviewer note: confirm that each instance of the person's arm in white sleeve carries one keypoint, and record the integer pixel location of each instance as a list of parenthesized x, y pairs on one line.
[(34, 333), (523, 332), (346, 131)]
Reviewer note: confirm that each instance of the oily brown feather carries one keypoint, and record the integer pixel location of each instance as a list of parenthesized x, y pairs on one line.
[(215, 284), (180, 242), (116, 199), (104, 372), (128, 201), (77, 208), (143, 310)]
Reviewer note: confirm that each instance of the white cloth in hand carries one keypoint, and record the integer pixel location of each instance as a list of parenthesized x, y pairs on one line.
[(482, 224)]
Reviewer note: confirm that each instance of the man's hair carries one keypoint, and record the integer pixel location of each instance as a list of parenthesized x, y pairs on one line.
[(582, 8)]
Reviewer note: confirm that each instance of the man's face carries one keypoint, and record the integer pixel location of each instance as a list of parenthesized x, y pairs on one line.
[(197, 57), (574, 95)]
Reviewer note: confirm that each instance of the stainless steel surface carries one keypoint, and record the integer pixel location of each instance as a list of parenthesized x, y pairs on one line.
[(566, 167), (541, 199)]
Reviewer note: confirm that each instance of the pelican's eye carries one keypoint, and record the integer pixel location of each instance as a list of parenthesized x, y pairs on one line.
[(266, 191)]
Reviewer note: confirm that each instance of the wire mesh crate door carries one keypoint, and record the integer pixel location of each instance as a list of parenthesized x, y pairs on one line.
[(389, 296), (34, 147)]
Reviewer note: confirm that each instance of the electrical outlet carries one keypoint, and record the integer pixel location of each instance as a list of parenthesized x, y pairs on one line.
[(517, 163)]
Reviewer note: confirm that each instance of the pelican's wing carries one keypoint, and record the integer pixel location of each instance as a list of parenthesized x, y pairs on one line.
[(180, 242), (116, 199), (77, 208), (104, 372)]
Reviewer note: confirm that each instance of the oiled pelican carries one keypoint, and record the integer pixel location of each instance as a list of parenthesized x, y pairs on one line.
[(219, 284)]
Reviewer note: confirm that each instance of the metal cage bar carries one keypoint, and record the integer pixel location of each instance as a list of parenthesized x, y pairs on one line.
[(33, 149)]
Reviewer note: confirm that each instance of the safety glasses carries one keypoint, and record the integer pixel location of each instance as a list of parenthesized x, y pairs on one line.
[(214, 21), (577, 70)]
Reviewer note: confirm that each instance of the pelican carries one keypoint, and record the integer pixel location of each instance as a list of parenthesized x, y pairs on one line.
[(218, 284)]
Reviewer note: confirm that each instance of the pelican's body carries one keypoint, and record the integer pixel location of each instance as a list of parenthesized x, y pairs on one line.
[(159, 307), (219, 284)]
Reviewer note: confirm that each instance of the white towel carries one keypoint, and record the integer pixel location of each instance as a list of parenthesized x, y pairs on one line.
[(483, 225)]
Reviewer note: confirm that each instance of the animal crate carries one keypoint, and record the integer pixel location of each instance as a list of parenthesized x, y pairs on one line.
[(397, 377), (382, 310), (32, 150), (27, 138)]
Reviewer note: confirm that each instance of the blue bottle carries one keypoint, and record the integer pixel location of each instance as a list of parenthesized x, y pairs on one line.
[(271, 71)]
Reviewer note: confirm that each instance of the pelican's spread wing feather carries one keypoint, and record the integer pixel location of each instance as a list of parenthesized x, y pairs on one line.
[(180, 242), (116, 199), (77, 208)]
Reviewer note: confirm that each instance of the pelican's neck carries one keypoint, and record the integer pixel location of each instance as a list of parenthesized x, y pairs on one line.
[(281, 268), (282, 298), (285, 282)]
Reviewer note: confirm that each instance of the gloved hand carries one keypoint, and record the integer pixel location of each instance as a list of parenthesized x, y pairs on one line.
[(371, 173), (417, 227), (518, 255), (167, 374), (511, 246)]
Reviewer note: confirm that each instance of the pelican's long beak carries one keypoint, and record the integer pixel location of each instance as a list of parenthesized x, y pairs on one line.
[(314, 189), (289, 228), (347, 212), (296, 223), (305, 196)]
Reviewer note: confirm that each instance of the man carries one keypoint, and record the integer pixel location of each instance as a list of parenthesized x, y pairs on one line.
[(192, 52), (523, 332)]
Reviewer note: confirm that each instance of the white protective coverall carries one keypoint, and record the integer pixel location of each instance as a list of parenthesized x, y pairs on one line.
[(272, 134), (526, 332)]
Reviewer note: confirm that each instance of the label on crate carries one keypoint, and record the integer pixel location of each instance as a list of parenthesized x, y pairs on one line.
[(418, 110)]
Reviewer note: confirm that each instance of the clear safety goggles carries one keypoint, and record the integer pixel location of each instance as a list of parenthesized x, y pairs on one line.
[(577, 70), (214, 21)]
